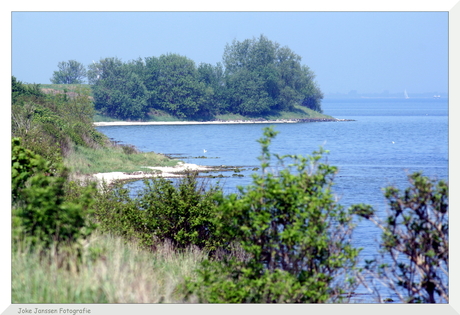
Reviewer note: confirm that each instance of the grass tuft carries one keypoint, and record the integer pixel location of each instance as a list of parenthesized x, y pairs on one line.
[(83, 161), (111, 271)]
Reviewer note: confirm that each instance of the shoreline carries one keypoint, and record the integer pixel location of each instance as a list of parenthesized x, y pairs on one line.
[(218, 122), (158, 171)]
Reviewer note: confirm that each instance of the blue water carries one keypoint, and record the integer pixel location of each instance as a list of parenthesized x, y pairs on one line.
[(388, 139)]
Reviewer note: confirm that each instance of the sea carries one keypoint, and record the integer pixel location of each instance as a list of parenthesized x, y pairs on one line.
[(380, 142)]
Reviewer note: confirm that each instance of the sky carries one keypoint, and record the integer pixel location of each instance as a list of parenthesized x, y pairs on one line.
[(369, 52)]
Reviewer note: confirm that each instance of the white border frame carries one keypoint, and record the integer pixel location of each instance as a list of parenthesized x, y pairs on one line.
[(451, 6)]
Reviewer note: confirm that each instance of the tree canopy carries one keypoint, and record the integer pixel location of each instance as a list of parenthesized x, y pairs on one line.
[(256, 76), (70, 72)]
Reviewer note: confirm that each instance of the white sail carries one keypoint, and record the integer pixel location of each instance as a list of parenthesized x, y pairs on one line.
[(405, 94)]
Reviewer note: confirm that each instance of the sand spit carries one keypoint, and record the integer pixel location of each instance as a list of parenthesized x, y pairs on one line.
[(154, 171), (217, 122)]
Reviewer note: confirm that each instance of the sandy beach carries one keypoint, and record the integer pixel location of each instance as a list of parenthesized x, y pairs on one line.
[(169, 171), (217, 122)]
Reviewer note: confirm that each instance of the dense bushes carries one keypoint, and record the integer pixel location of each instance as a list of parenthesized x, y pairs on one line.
[(50, 124), (297, 240), (181, 213), (43, 214)]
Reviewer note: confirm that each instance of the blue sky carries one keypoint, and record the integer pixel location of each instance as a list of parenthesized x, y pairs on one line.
[(364, 51)]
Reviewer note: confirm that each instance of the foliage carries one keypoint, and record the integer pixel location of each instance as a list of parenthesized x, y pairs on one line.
[(297, 240), (24, 164), (49, 124), (19, 89), (118, 91), (215, 94), (41, 213), (181, 214), (178, 90), (261, 75), (256, 76), (70, 72), (414, 260)]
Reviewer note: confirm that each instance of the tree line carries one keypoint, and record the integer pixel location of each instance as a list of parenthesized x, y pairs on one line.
[(256, 76)]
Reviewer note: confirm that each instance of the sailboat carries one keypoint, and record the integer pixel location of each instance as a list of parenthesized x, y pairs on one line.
[(405, 94)]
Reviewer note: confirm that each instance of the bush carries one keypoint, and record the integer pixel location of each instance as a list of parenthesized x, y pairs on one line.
[(296, 238), (41, 213), (414, 257), (163, 211)]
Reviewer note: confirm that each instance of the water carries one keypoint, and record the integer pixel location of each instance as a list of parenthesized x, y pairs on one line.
[(388, 139)]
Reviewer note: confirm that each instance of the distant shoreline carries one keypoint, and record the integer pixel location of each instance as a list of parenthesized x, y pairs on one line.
[(218, 122)]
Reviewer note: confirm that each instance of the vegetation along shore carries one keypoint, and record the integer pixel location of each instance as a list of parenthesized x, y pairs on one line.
[(282, 239)]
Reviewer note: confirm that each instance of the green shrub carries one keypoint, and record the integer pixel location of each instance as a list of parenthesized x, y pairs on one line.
[(118, 214), (414, 247), (296, 238), (41, 212), (179, 212)]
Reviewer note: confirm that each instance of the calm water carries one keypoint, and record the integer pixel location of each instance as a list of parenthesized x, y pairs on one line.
[(389, 139)]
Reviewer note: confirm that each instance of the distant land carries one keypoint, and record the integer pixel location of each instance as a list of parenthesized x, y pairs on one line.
[(385, 94)]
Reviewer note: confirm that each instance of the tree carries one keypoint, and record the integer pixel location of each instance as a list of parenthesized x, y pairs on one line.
[(312, 95), (70, 72), (246, 94), (118, 91), (414, 247), (273, 70), (178, 89), (296, 240), (215, 90)]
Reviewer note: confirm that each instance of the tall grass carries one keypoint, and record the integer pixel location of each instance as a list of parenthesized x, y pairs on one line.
[(111, 271), (82, 160)]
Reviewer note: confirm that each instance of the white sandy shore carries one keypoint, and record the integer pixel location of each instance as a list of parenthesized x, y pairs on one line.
[(167, 171), (133, 123)]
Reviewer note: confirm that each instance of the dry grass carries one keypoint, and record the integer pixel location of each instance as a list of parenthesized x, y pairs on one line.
[(84, 161), (111, 272)]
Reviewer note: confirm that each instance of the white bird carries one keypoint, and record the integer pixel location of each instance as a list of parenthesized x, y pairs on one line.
[(204, 150), (393, 142)]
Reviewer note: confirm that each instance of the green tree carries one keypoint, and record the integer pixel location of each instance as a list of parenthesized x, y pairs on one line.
[(70, 72), (215, 91), (118, 91), (414, 246), (178, 89), (312, 95), (261, 65), (295, 238)]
